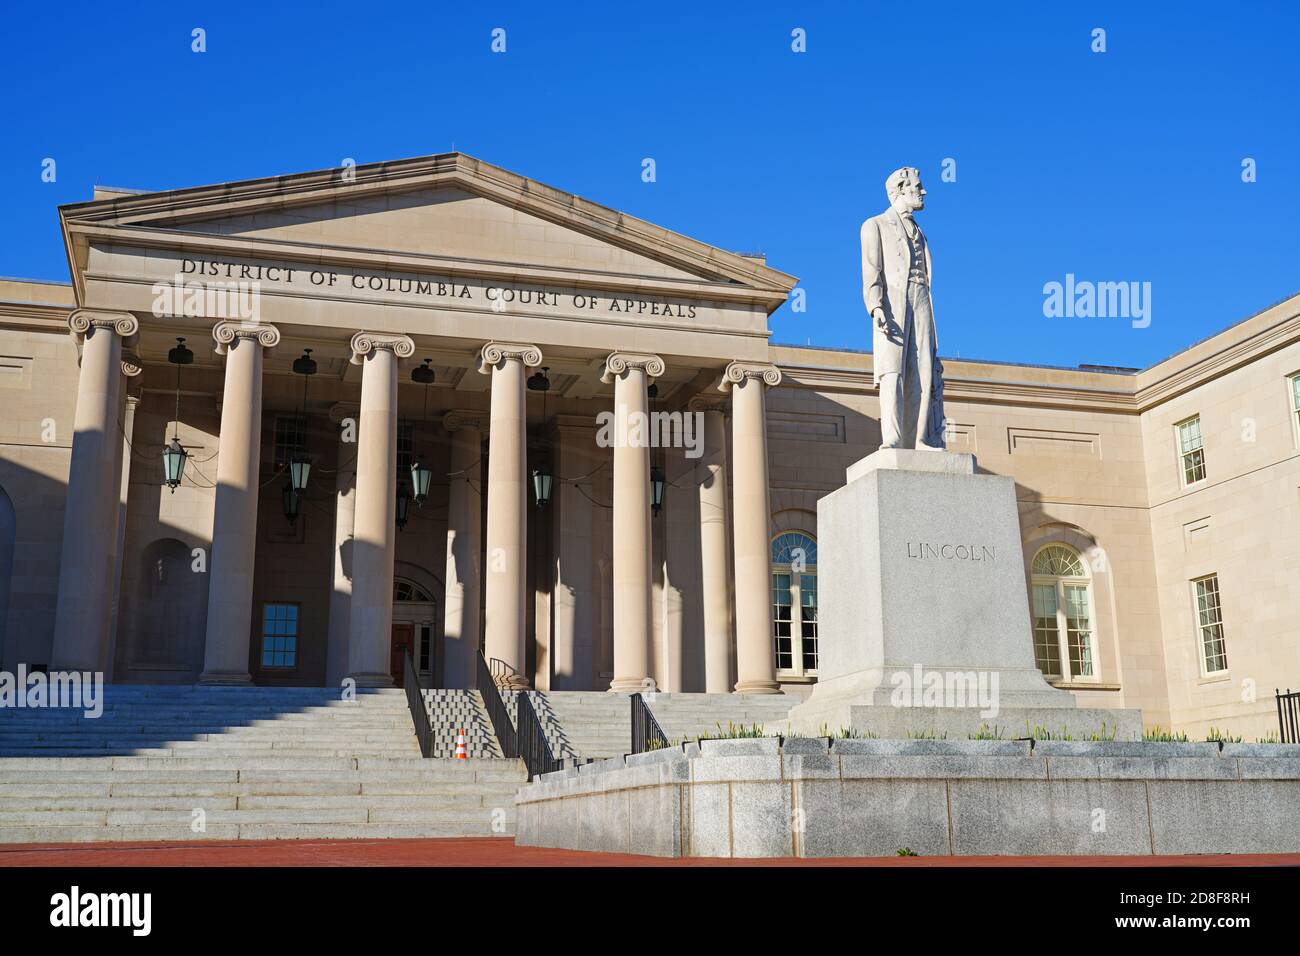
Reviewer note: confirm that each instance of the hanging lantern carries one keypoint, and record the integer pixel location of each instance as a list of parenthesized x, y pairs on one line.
[(423, 374), (421, 479), (542, 480), (657, 485), (174, 454), (291, 500), (403, 505), (299, 471), (173, 463), (538, 382)]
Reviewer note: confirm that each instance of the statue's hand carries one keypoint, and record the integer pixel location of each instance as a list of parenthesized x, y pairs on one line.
[(881, 323)]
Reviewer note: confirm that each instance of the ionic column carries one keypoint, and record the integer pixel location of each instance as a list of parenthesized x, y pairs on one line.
[(460, 627), (234, 520), (87, 559), (130, 366), (715, 543), (571, 516), (631, 375), (345, 416), (507, 519), (755, 656), (374, 525)]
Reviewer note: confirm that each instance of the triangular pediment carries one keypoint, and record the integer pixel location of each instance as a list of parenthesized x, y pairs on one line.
[(446, 207)]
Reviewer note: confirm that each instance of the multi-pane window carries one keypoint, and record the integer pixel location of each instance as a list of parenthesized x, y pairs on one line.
[(289, 439), (794, 603), (1209, 623), (1295, 403), (279, 635), (1062, 610), (405, 447), (1191, 450)]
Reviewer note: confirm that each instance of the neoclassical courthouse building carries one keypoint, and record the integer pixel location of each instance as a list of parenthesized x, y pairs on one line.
[(1159, 508)]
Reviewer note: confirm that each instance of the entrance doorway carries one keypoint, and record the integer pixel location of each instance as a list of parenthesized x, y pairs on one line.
[(415, 628), (403, 643)]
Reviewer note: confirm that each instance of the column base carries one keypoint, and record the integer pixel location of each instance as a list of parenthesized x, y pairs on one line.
[(757, 687), (233, 678), (372, 680), (631, 685), (514, 682)]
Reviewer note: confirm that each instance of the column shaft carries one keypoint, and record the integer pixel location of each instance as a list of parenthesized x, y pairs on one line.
[(87, 562), (715, 546), (234, 524), (464, 546), (345, 498), (374, 521), (572, 606), (755, 656), (632, 541), (507, 526)]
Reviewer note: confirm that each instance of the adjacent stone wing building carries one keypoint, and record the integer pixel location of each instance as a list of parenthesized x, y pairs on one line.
[(326, 525)]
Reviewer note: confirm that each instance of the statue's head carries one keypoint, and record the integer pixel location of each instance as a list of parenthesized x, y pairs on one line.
[(904, 189)]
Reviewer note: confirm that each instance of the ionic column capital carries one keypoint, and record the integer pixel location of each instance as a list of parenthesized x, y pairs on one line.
[(738, 372), (494, 353), (225, 333), (83, 320), (455, 420), (707, 403), (131, 364), (341, 410), (363, 343), (616, 363)]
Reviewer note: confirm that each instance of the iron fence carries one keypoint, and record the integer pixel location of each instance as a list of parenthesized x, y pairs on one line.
[(415, 701), (646, 732), (534, 748), (496, 708), (1288, 715)]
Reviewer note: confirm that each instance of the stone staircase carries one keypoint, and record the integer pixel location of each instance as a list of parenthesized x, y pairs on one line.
[(450, 710), (187, 763)]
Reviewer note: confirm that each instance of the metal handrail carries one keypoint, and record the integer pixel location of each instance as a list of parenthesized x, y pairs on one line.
[(646, 732), (496, 708), (415, 701), (534, 748), (1288, 715)]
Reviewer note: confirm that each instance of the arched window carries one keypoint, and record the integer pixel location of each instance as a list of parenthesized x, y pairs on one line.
[(794, 603), (1064, 642), (405, 589)]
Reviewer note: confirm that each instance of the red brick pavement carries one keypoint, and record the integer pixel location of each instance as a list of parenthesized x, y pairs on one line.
[(478, 851)]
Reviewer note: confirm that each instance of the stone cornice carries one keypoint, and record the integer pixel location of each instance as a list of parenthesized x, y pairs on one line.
[(616, 363), (494, 353), (363, 343), (737, 372), (225, 333)]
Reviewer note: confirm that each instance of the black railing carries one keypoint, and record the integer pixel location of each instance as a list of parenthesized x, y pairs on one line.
[(496, 708), (534, 748), (646, 732), (1288, 715), (415, 700)]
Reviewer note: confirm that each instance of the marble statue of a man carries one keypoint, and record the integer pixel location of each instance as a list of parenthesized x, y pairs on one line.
[(896, 287)]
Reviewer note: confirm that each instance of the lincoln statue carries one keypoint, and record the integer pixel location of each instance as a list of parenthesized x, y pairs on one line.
[(896, 287)]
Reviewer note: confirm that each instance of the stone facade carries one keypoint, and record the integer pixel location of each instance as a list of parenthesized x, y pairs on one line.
[(472, 265)]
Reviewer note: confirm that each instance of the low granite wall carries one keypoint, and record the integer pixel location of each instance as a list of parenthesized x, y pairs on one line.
[(808, 797)]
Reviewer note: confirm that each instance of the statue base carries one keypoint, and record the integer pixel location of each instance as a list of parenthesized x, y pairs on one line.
[(924, 610)]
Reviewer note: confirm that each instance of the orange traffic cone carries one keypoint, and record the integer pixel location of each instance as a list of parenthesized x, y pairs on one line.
[(461, 752)]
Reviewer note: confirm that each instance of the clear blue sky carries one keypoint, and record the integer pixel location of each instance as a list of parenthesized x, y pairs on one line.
[(1119, 166)]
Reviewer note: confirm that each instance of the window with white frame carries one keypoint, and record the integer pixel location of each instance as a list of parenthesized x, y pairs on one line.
[(1209, 624), (290, 437), (1191, 450), (794, 603), (1294, 389), (1064, 638)]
